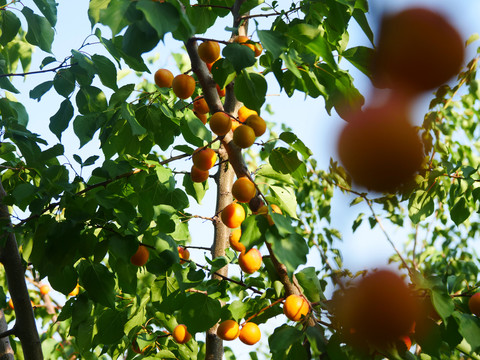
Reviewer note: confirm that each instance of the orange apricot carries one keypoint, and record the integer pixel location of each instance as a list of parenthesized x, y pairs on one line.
[(140, 257), (221, 92), (181, 335), (250, 261), (220, 123), (233, 215), (163, 78), (257, 124), (243, 189), (244, 113), (203, 118), (209, 51), (234, 240), (244, 136), (75, 291), (244, 40), (204, 158), (407, 341), (474, 304), (183, 86), (44, 289), (183, 254), (198, 175), (263, 210), (258, 49), (228, 330), (250, 333), (200, 106), (295, 307), (10, 304)]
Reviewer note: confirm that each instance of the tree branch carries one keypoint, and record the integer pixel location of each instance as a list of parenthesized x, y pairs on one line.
[(61, 66)]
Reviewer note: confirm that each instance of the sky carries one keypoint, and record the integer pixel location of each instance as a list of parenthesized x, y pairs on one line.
[(307, 118)]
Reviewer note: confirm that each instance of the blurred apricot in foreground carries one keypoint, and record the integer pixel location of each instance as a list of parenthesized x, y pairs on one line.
[(380, 149), (418, 49)]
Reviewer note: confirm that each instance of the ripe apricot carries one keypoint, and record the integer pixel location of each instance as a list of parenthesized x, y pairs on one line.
[(140, 257), (258, 49), (183, 254), (380, 308), (183, 86), (250, 261), (295, 307), (380, 149), (209, 51), (243, 189), (163, 78), (200, 106), (181, 335), (220, 123), (244, 113), (244, 136), (263, 210), (244, 40), (250, 333), (234, 240), (44, 289), (75, 291), (203, 118), (474, 304), (198, 175), (221, 92), (228, 330), (233, 215), (204, 158), (418, 49), (10, 304), (257, 124)]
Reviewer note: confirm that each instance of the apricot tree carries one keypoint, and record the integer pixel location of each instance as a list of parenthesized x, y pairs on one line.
[(117, 246)]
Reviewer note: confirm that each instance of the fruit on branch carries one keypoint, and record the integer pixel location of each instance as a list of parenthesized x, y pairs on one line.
[(204, 158), (378, 310), (250, 261), (10, 304), (75, 291), (163, 78), (140, 257), (418, 49), (181, 335), (228, 330), (250, 333), (44, 289), (220, 123), (296, 307), (209, 51), (244, 40), (234, 240), (233, 215), (256, 203), (243, 189), (258, 49), (244, 136), (380, 149), (198, 175), (183, 86), (200, 106), (183, 254), (263, 210), (257, 124), (474, 304), (244, 113), (221, 92), (203, 118)]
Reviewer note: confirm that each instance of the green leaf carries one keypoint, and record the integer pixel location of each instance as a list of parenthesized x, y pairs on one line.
[(38, 91), (99, 283), (284, 161), (110, 326), (129, 115), (85, 127), (282, 340), (273, 41), (20, 112), (94, 9), (64, 82), (200, 312), (48, 9), (223, 72), (251, 89), (361, 19), (297, 144), (195, 190), (59, 122), (90, 99), (469, 327), (40, 32), (420, 206), (6, 84), (253, 231), (240, 56), (312, 289), (114, 15), (139, 38), (106, 71), (312, 38), (360, 57), (291, 251), (193, 130), (442, 303), (163, 17), (10, 25), (460, 211), (286, 198)]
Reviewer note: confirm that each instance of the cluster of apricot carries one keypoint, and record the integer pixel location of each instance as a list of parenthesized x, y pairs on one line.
[(418, 50)]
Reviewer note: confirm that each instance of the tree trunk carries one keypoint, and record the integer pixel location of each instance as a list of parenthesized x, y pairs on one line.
[(25, 327)]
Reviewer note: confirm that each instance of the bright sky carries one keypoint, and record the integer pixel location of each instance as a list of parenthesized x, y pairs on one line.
[(307, 117)]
